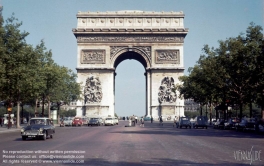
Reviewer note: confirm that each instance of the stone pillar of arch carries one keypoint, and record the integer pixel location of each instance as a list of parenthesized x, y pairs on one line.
[(105, 39)]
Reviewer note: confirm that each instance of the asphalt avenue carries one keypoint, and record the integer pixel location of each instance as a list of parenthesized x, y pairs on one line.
[(120, 145)]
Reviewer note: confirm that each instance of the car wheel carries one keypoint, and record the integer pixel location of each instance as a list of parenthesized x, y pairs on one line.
[(44, 137), (190, 127), (24, 138), (206, 127)]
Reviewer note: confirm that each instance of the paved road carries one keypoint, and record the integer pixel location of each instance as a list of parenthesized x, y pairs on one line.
[(151, 145)]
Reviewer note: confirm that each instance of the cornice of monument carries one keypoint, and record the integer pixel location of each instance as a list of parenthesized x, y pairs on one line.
[(130, 21), (130, 13), (130, 30)]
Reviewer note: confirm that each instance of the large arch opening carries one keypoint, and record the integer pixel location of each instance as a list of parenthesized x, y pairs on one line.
[(130, 84)]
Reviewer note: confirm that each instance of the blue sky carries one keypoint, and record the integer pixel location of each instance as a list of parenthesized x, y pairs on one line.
[(208, 21)]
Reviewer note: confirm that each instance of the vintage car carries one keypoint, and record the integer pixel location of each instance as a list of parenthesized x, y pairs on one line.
[(95, 122), (219, 124), (184, 122), (77, 121), (200, 121), (147, 118), (115, 120), (246, 124), (230, 124), (38, 128), (62, 124), (85, 120), (68, 121), (109, 121)]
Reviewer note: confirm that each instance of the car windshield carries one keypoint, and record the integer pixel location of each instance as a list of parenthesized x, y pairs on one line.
[(108, 119), (37, 121), (94, 118)]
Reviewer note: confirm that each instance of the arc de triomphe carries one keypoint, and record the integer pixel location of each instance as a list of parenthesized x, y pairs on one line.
[(105, 39)]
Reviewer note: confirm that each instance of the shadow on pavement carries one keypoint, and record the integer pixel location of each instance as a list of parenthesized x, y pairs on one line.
[(168, 129)]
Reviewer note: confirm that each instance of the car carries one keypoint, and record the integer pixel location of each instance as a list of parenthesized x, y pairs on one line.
[(230, 124), (219, 124), (116, 120), (39, 127), (77, 121), (184, 122), (62, 124), (95, 121), (68, 121), (85, 120), (260, 126), (246, 124), (200, 121), (147, 118), (109, 121)]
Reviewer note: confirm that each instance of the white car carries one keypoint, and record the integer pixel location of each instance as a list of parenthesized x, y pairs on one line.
[(68, 121), (115, 120), (109, 121)]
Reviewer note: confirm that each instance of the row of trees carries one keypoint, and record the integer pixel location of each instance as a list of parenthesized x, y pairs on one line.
[(29, 74), (232, 74)]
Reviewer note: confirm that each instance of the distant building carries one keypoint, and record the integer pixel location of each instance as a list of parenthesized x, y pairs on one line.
[(190, 105), (71, 106)]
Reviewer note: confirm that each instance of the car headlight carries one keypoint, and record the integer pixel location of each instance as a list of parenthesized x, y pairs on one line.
[(22, 130), (261, 127), (40, 130)]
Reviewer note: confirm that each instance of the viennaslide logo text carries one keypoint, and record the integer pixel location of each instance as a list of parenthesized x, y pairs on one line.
[(248, 155)]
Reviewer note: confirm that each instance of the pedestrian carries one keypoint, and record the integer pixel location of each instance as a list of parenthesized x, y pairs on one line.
[(129, 122), (175, 121), (133, 120), (136, 118), (142, 121), (161, 121), (151, 119)]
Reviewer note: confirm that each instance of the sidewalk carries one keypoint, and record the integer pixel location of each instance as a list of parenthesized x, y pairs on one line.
[(4, 129)]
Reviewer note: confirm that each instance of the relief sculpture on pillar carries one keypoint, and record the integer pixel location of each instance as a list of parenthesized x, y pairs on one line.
[(168, 56), (166, 94), (92, 90)]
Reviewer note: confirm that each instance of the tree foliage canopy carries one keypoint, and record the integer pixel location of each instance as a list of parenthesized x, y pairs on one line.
[(233, 73)]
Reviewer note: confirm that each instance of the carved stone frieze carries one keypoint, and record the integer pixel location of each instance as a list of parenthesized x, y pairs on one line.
[(145, 49), (93, 90), (92, 56), (129, 38), (167, 56), (166, 94)]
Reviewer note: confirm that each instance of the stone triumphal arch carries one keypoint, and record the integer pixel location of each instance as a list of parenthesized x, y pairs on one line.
[(155, 39)]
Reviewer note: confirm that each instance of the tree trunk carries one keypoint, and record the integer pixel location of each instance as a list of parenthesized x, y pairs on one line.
[(240, 109), (36, 103), (18, 115), (250, 109), (49, 108), (22, 114), (201, 110), (43, 99), (58, 112)]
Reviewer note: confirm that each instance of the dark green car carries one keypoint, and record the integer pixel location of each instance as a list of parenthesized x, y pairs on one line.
[(184, 122), (38, 128)]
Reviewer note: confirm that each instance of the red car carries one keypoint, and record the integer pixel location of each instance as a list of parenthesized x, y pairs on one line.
[(77, 121)]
